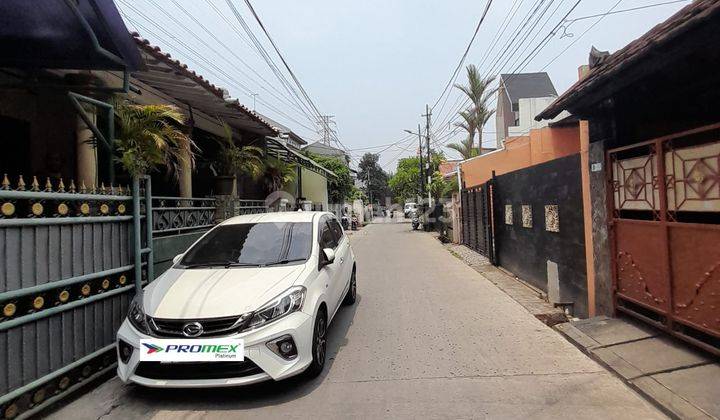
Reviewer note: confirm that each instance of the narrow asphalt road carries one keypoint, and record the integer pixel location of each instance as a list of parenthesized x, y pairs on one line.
[(428, 338)]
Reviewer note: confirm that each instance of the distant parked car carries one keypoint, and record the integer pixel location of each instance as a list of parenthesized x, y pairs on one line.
[(409, 209), (250, 301)]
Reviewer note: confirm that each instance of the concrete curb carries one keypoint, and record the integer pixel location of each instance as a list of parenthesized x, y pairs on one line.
[(670, 403)]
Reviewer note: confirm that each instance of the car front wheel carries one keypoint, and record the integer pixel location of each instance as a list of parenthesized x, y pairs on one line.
[(319, 345), (352, 290)]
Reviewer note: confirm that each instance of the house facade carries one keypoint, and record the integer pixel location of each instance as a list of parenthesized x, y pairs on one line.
[(520, 97), (651, 182)]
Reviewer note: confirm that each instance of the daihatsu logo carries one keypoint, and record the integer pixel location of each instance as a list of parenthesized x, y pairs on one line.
[(192, 329)]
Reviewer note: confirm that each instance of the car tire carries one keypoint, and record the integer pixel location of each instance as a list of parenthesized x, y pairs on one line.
[(351, 294), (319, 345)]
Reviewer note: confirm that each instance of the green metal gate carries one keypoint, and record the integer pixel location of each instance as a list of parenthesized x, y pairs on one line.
[(71, 259)]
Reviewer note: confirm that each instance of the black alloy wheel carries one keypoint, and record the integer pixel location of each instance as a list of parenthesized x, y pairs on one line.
[(351, 294), (319, 346)]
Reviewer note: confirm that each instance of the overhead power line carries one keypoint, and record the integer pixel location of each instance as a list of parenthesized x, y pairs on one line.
[(508, 47), (208, 66), (241, 60), (287, 66), (632, 9), (454, 75), (602, 16)]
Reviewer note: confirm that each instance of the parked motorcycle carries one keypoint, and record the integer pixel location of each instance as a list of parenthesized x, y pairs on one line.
[(415, 221), (345, 222), (354, 222)]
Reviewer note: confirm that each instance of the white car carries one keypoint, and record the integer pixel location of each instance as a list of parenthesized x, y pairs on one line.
[(250, 301)]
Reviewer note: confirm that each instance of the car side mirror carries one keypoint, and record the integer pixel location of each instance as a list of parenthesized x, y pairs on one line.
[(328, 257), (177, 258)]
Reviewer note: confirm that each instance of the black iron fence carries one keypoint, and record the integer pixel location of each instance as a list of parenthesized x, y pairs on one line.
[(476, 215)]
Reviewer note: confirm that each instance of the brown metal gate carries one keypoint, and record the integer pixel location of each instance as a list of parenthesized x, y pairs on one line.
[(477, 219), (665, 225)]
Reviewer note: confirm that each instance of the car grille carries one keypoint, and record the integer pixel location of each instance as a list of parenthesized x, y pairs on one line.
[(197, 370), (212, 327)]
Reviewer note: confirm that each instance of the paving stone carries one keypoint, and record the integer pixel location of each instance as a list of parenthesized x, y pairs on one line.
[(616, 363), (657, 354), (608, 331), (576, 336), (700, 385), (667, 399)]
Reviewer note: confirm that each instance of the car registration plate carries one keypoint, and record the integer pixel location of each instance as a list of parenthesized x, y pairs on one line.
[(193, 350)]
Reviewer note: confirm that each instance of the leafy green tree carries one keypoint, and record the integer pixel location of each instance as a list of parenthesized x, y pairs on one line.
[(340, 187), (405, 183), (374, 177), (357, 194)]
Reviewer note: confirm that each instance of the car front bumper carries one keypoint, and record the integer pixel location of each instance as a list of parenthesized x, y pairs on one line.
[(298, 325)]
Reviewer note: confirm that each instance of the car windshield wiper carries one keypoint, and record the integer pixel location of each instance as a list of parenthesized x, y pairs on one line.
[(239, 264), (281, 262), (226, 264)]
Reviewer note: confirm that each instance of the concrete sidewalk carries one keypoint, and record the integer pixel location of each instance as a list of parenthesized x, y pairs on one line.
[(530, 298), (684, 382)]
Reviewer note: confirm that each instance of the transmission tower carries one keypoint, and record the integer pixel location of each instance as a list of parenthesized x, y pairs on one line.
[(327, 133)]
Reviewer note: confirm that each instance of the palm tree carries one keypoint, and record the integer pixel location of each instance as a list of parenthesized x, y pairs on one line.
[(151, 136), (479, 92), (233, 159), (278, 172), (483, 116), (466, 148)]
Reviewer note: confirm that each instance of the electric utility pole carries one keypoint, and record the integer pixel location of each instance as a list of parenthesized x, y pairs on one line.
[(368, 186), (428, 165), (421, 177)]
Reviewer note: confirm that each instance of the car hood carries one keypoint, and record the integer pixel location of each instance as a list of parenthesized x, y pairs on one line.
[(215, 292)]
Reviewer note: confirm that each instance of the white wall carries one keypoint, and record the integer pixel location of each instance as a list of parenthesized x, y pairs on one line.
[(529, 108), (314, 187)]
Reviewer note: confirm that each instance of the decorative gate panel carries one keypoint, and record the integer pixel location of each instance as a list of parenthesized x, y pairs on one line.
[(640, 278), (695, 262), (477, 219), (665, 202)]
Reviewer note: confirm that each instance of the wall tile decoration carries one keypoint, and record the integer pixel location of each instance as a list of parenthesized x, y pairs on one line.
[(552, 218), (527, 221), (508, 214)]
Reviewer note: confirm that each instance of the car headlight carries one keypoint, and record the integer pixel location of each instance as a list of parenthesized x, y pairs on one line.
[(286, 303), (137, 317)]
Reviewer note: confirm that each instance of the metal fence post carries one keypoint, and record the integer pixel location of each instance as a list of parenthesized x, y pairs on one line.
[(137, 243), (149, 229)]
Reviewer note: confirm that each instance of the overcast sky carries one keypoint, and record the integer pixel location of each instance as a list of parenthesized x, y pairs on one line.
[(374, 64)]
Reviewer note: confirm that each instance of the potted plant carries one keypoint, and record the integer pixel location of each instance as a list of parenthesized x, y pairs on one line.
[(232, 160), (151, 136)]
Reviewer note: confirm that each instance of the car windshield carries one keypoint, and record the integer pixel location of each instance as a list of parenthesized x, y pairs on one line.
[(251, 244)]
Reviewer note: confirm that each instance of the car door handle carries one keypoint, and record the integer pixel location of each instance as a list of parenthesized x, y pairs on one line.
[(342, 260)]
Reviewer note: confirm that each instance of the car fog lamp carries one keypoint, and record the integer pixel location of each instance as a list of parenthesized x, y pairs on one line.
[(125, 351), (284, 347)]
